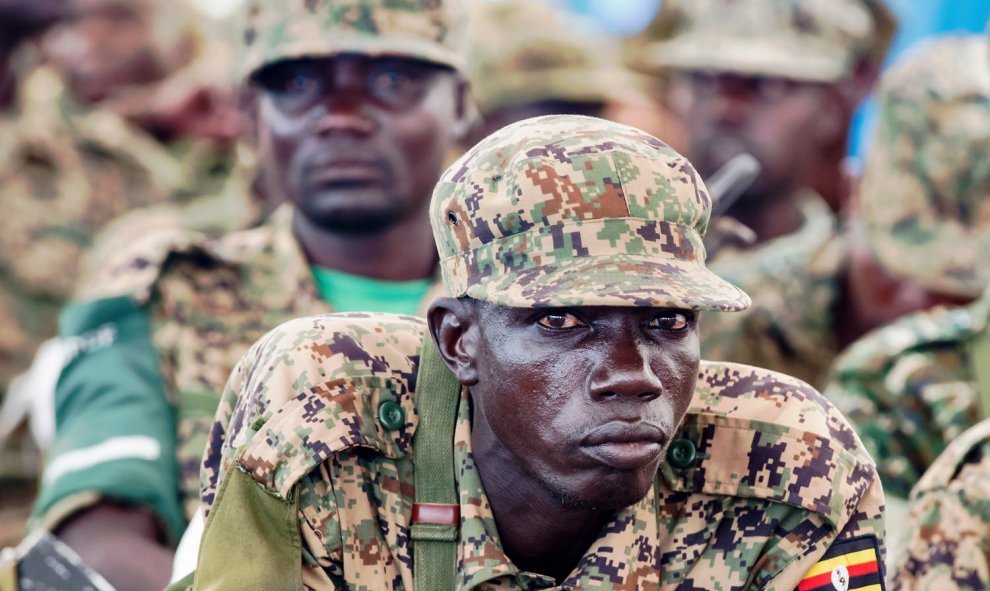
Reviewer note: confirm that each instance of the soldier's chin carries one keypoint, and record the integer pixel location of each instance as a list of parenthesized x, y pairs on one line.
[(352, 214), (610, 494)]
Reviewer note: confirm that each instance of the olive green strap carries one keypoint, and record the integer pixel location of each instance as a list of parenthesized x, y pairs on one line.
[(435, 513), (980, 362)]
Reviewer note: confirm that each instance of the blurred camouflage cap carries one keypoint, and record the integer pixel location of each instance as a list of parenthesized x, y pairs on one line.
[(925, 196), (568, 210), (807, 40), (275, 30), (523, 52)]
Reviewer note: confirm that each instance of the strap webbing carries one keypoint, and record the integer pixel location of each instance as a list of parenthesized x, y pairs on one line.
[(980, 363), (434, 544)]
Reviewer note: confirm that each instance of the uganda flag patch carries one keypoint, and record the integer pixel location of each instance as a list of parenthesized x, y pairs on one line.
[(851, 565)]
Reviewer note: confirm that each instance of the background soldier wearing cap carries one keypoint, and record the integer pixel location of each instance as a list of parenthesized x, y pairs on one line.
[(921, 236), (356, 105), (517, 439), (529, 59), (779, 80)]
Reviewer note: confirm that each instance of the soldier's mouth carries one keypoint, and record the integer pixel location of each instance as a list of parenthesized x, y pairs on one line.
[(625, 446)]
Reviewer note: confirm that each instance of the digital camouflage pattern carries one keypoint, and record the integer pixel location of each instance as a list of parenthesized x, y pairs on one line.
[(950, 521), (563, 209), (780, 476), (909, 389), (275, 30), (236, 207), (932, 151), (208, 301), (793, 281), (524, 52), (64, 173), (807, 40)]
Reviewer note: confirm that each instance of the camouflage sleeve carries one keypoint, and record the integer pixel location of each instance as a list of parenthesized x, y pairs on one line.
[(860, 543), (300, 397), (907, 413), (950, 521)]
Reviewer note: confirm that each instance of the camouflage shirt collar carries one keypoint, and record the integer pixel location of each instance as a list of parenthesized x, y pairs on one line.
[(279, 273)]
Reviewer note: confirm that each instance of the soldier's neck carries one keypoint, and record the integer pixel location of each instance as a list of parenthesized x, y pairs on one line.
[(403, 252), (538, 532)]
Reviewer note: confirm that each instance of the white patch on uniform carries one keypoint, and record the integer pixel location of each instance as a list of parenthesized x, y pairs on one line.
[(840, 578)]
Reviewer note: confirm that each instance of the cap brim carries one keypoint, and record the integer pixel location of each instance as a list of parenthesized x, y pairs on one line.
[(750, 57), (615, 280), (259, 58)]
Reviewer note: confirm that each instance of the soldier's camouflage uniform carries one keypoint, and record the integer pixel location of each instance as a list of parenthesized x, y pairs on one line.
[(905, 385), (949, 523), (793, 279), (64, 173), (553, 211), (154, 336), (908, 387)]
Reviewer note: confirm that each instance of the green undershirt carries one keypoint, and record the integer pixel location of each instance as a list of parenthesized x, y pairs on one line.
[(354, 293)]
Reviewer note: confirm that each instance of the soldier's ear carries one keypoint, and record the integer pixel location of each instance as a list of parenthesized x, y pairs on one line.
[(454, 328)]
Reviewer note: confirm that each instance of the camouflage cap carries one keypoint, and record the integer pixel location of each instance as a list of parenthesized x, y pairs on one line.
[(523, 51), (568, 210), (807, 40), (925, 196), (275, 30)]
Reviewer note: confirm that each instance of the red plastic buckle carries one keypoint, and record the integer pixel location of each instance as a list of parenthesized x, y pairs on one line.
[(436, 513)]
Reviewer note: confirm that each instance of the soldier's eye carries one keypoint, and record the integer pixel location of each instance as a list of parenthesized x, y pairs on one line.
[(300, 83), (292, 84), (673, 320), (559, 321), (398, 86)]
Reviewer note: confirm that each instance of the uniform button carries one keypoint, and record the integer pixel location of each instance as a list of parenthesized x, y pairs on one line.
[(391, 415), (682, 453)]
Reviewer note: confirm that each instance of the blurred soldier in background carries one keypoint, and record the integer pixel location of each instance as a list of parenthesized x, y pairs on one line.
[(921, 237), (104, 129), (117, 119), (529, 59), (780, 81), (355, 107)]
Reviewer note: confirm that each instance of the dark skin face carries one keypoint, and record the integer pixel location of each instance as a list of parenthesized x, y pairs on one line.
[(873, 297), (106, 45), (356, 143), (573, 410), (787, 126)]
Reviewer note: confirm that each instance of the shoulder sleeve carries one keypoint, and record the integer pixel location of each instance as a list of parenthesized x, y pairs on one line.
[(135, 270), (769, 440), (115, 430), (950, 520), (305, 392), (908, 391)]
